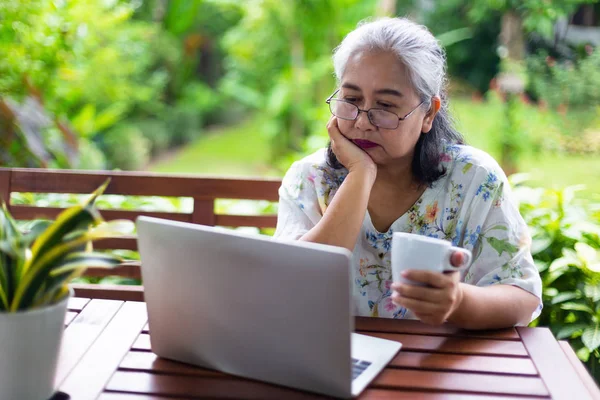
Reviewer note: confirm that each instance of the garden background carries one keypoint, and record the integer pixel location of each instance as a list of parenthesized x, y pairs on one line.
[(237, 88)]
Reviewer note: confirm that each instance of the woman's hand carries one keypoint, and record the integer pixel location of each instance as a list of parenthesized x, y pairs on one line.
[(350, 155), (434, 303)]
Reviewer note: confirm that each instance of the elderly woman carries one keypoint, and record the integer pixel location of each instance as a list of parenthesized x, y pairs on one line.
[(396, 164)]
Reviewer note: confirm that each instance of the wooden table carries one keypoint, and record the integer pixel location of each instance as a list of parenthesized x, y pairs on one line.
[(106, 355)]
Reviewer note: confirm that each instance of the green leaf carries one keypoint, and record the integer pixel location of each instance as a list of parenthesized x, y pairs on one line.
[(35, 230), (50, 248), (539, 245), (592, 291), (586, 253), (109, 117), (565, 296), (563, 263), (591, 337), (12, 254), (3, 298), (70, 219), (466, 168), (43, 266), (455, 36), (568, 331), (583, 354), (502, 246), (541, 266), (84, 260), (594, 267), (577, 307), (83, 122)]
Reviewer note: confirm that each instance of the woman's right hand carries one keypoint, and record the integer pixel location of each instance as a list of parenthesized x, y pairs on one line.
[(348, 154)]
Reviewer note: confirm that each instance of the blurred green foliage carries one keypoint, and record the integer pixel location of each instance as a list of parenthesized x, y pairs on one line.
[(566, 250), (566, 83), (102, 64)]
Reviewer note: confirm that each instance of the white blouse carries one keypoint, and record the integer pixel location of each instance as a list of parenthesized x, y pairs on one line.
[(470, 206)]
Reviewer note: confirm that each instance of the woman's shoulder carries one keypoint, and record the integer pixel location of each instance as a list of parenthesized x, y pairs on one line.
[(467, 162)]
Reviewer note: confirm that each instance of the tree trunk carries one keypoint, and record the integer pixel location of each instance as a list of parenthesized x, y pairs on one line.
[(297, 127), (386, 8), (511, 35), (512, 39)]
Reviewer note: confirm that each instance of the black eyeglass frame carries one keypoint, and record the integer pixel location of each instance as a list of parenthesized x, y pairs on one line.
[(328, 101)]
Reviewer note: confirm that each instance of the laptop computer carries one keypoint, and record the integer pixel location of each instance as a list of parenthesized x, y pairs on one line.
[(256, 307)]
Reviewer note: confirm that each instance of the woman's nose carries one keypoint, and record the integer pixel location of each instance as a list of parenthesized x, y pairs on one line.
[(362, 121)]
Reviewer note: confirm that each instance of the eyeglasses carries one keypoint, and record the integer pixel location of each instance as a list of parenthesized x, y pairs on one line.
[(381, 118)]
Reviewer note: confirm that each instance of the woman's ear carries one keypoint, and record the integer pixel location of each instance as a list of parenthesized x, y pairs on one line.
[(436, 104)]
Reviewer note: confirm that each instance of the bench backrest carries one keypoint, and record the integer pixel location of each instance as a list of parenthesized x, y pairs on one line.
[(204, 192)]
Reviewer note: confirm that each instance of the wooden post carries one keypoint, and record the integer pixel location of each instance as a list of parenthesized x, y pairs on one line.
[(204, 211), (5, 186)]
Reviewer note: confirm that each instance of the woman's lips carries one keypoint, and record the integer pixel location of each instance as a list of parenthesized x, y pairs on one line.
[(364, 144)]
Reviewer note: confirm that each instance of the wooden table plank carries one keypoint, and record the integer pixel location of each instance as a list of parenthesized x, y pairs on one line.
[(129, 396), (70, 316), (196, 386), (438, 344), (147, 361), (369, 324), (82, 332), (103, 357), (381, 394), (552, 364), (150, 362), (586, 378), (464, 363), (455, 345), (77, 303), (460, 382), (169, 385), (369, 394)]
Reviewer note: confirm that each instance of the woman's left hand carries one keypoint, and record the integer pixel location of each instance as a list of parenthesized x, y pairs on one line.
[(434, 303)]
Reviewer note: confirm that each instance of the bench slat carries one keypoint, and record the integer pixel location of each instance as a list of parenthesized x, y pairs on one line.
[(141, 184), (110, 292), (259, 221), (30, 212), (128, 270)]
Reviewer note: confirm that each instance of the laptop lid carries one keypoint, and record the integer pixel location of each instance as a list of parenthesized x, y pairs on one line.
[(249, 305)]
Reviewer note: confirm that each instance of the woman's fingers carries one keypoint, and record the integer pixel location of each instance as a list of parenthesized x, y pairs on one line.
[(419, 292), (457, 259)]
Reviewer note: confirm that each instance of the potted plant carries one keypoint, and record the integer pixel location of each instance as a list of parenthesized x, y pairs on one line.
[(35, 268)]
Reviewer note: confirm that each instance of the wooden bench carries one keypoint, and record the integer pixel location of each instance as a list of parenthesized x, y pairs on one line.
[(203, 190)]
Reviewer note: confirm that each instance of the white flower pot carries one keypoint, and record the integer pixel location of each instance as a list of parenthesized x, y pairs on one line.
[(29, 347)]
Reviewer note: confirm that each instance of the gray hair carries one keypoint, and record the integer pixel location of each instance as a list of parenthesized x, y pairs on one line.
[(424, 58), (413, 44)]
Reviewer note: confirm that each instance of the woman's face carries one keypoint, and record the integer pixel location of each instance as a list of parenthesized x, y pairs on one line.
[(379, 80)]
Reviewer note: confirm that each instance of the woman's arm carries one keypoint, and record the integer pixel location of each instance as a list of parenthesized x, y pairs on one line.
[(444, 298), (491, 307), (343, 218)]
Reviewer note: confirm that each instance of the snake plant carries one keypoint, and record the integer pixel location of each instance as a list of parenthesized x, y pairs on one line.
[(36, 266)]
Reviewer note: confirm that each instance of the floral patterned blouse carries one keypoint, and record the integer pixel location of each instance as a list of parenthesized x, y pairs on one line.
[(470, 206)]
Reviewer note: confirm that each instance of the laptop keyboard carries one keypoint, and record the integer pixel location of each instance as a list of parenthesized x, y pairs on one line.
[(358, 367)]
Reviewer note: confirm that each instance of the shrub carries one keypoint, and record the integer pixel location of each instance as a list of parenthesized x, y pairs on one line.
[(156, 132), (566, 83), (90, 156), (566, 249), (184, 124), (126, 147)]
